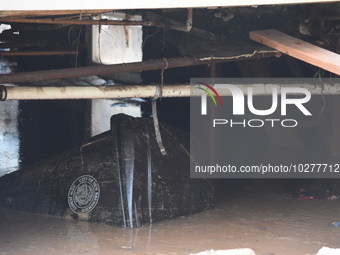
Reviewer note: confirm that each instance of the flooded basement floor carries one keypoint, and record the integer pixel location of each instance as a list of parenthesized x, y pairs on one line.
[(267, 222)]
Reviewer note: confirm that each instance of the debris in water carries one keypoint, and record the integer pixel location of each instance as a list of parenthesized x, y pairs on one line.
[(336, 224), (333, 197), (306, 194), (242, 251)]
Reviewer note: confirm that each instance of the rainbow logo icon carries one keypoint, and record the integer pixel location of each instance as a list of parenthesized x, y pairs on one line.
[(209, 87)]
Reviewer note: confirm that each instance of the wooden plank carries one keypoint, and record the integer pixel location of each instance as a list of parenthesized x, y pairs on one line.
[(299, 49)]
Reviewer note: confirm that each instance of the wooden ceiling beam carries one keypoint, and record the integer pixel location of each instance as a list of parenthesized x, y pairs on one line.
[(299, 49)]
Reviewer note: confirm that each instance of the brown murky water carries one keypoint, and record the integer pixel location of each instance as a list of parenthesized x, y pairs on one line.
[(268, 223)]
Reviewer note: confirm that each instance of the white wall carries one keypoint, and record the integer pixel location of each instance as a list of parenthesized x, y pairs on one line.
[(9, 137), (103, 109), (117, 44)]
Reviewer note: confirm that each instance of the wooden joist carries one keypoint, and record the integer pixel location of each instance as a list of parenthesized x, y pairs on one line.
[(299, 49)]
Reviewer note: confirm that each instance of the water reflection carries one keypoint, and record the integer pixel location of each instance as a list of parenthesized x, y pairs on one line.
[(81, 240), (267, 224)]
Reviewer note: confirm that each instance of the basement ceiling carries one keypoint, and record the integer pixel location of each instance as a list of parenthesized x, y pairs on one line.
[(220, 33), (137, 4)]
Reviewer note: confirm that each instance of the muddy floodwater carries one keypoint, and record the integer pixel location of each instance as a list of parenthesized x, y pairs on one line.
[(266, 221)]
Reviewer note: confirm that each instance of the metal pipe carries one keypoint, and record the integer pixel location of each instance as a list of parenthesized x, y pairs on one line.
[(189, 19), (21, 45), (79, 22), (92, 92), (154, 64), (37, 53), (144, 91), (3, 93)]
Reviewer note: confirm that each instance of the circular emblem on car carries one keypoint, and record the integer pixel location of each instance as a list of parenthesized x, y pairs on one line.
[(83, 194)]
